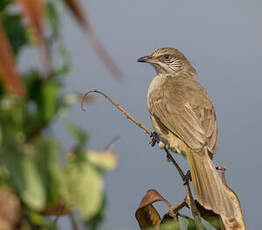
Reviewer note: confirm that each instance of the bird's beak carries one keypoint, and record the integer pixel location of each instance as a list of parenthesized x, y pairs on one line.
[(147, 59)]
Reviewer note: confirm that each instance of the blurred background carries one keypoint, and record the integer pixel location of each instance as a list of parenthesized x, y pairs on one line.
[(222, 39)]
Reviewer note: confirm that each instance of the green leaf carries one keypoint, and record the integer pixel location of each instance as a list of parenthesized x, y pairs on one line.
[(90, 192), (15, 31), (4, 4), (66, 65), (32, 190), (78, 133), (44, 95), (191, 224), (103, 159), (49, 94), (22, 172), (86, 185), (53, 12), (95, 222), (51, 173), (33, 120), (39, 221), (172, 225), (12, 113)]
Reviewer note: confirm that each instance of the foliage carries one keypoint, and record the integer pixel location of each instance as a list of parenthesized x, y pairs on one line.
[(31, 172), (149, 218)]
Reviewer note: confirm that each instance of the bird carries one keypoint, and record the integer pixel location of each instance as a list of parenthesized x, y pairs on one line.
[(184, 120)]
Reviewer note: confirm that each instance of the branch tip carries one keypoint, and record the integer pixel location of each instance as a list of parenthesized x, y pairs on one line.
[(83, 99), (129, 116)]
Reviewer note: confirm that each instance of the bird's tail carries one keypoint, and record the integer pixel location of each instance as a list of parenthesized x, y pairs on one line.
[(208, 187)]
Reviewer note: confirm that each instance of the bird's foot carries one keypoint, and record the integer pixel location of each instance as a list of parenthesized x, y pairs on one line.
[(187, 177), (221, 168), (154, 139)]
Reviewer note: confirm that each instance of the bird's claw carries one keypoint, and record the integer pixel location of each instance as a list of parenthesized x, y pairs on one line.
[(221, 168), (154, 139), (187, 177)]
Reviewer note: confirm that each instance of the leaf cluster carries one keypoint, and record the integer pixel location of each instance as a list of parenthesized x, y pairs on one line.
[(36, 178)]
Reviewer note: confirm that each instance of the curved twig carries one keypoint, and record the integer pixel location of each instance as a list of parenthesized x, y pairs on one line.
[(128, 116)]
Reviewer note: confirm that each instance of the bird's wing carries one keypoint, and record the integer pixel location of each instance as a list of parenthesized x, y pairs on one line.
[(183, 107)]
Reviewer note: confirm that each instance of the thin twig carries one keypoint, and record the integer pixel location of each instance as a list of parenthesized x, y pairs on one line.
[(170, 158), (179, 206), (193, 208), (56, 219), (110, 145), (191, 201), (73, 221), (184, 216), (60, 210), (117, 106)]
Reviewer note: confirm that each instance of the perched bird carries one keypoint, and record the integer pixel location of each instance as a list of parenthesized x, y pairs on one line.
[(184, 118)]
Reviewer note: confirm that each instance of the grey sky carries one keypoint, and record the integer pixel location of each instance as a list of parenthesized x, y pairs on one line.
[(223, 40)]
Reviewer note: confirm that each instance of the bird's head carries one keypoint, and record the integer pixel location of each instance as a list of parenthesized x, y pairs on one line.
[(169, 60)]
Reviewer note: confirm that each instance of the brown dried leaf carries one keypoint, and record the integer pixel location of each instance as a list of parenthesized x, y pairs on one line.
[(33, 12), (103, 54), (8, 69), (77, 10), (151, 197), (238, 222), (10, 209), (81, 16), (147, 217), (146, 214)]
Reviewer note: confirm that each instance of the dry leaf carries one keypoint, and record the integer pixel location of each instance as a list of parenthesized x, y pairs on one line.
[(33, 12), (148, 217), (9, 209), (146, 214), (8, 69), (81, 16), (77, 10), (238, 222)]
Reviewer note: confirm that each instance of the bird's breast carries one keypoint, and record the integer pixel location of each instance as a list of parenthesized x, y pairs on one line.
[(155, 84)]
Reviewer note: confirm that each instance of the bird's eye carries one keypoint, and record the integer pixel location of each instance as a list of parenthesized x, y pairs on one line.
[(166, 57)]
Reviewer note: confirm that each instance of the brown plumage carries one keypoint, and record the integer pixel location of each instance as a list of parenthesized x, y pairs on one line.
[(184, 117)]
